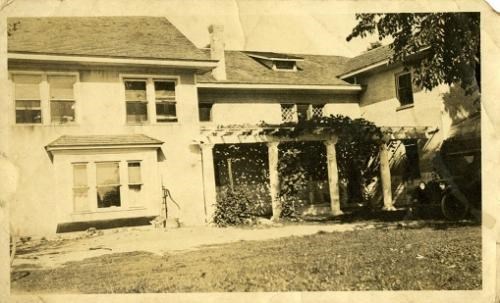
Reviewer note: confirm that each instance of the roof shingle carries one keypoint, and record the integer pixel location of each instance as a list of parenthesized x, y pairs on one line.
[(103, 140), (313, 70), (131, 37), (368, 58)]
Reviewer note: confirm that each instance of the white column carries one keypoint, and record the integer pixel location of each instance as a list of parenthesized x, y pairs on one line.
[(385, 177), (333, 177), (274, 181), (208, 171)]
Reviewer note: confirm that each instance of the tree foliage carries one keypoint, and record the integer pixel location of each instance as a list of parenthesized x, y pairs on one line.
[(448, 44)]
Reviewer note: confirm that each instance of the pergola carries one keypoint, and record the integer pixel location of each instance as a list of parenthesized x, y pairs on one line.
[(269, 135)]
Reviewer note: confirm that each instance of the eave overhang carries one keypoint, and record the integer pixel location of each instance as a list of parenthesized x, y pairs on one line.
[(294, 87), (198, 65)]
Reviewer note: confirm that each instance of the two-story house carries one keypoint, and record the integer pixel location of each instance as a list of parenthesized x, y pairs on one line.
[(105, 112)]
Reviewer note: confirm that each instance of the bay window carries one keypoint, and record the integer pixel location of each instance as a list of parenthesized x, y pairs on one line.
[(80, 187), (108, 184)]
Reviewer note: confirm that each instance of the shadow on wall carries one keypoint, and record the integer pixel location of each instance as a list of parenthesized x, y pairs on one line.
[(459, 105)]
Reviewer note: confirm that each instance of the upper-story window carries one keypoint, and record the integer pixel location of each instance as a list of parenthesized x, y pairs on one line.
[(285, 65), (27, 98), (62, 100), (149, 99), (288, 113), (317, 110), (37, 91), (300, 112), (165, 101), (404, 90), (136, 101), (205, 111)]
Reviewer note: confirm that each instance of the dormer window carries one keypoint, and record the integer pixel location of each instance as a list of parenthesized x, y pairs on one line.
[(276, 61), (285, 65)]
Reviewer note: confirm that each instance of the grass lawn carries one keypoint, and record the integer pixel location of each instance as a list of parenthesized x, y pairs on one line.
[(375, 259)]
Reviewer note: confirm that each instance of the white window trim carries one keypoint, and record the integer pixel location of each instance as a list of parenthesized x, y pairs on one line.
[(150, 95), (45, 96)]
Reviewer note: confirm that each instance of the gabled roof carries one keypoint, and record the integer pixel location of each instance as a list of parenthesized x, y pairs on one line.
[(313, 70), (123, 37), (101, 140), (371, 57)]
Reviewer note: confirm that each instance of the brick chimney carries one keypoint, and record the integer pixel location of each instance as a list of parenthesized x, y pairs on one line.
[(217, 50)]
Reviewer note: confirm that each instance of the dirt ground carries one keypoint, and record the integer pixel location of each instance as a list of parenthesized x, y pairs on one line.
[(42, 253)]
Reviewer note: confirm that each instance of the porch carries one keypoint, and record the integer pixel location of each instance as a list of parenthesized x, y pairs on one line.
[(262, 174)]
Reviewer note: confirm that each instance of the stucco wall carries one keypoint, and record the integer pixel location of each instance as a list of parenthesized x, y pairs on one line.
[(378, 102), (100, 109), (252, 107)]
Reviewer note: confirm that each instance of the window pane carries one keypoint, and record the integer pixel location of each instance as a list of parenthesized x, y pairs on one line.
[(137, 112), (405, 92), (134, 173), (80, 175), (166, 111), (205, 111), (108, 173), (28, 112), (61, 87), (284, 64), (27, 87), (80, 199), (287, 112), (317, 110), (165, 90), (135, 90), (302, 111), (62, 111), (108, 196)]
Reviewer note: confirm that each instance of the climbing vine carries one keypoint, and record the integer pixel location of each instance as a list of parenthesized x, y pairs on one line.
[(244, 167)]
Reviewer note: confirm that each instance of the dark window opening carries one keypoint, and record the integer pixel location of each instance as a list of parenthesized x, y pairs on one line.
[(302, 112), (27, 96), (284, 65), (137, 112), (404, 89), (108, 184), (62, 111), (165, 101), (28, 111), (166, 112), (135, 97), (205, 112), (412, 169)]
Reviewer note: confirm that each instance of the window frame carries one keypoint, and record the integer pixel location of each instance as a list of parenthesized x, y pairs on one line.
[(276, 68), (135, 102), (294, 112), (118, 185), (150, 95), (210, 112), (51, 101), (397, 82), (44, 87)]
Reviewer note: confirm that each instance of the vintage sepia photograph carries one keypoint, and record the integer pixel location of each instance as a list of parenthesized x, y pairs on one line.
[(252, 146)]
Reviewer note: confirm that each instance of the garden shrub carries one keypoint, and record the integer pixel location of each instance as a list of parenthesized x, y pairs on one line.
[(231, 209)]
